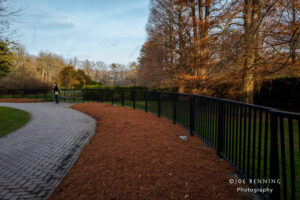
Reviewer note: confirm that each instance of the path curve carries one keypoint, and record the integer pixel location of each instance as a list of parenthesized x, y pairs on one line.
[(35, 158)]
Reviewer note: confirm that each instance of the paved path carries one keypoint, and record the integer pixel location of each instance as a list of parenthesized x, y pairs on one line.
[(35, 158)]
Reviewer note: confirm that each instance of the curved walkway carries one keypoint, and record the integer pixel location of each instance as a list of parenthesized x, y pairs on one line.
[(35, 158)]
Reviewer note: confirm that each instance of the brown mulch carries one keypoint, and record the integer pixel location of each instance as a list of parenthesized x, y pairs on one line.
[(19, 100), (135, 155)]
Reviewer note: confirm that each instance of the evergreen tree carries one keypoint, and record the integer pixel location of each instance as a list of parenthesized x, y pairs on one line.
[(6, 58)]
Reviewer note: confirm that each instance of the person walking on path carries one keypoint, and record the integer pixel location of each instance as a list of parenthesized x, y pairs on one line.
[(56, 92)]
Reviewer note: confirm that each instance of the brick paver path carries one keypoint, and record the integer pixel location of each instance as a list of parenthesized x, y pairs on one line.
[(35, 158)]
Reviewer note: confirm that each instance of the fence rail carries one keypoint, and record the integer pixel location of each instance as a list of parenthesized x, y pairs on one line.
[(262, 143)]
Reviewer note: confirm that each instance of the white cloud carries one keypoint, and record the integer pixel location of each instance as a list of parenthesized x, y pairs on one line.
[(43, 20)]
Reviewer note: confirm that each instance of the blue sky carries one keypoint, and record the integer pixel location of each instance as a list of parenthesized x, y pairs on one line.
[(98, 30)]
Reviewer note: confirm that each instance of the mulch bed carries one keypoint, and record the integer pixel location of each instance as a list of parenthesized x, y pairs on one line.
[(19, 100), (135, 155)]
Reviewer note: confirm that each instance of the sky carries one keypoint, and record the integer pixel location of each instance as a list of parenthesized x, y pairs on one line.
[(112, 31)]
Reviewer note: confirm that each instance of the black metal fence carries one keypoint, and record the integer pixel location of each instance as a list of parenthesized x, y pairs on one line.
[(263, 144)]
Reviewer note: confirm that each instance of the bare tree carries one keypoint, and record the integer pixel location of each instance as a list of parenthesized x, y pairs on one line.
[(7, 16), (196, 45)]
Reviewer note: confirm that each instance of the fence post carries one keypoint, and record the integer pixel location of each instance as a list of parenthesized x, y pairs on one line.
[(123, 103), (112, 97), (274, 161), (85, 95), (36, 94), (146, 101), (101, 95), (174, 108), (220, 128), (133, 99), (192, 115), (13, 91), (158, 104), (71, 96)]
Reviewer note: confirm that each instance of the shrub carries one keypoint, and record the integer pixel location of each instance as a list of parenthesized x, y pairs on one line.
[(115, 87), (281, 93)]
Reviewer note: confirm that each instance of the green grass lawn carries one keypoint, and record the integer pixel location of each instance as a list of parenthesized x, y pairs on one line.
[(11, 119)]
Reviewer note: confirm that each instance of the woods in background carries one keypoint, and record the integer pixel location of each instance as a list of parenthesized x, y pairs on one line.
[(220, 48), (20, 70)]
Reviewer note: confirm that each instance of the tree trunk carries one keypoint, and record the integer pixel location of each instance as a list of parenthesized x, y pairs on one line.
[(294, 34), (43, 74), (200, 23), (203, 32), (195, 38), (251, 24), (171, 34), (181, 46), (181, 41)]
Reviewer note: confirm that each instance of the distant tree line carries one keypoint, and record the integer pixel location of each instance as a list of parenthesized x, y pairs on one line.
[(20, 70), (80, 73), (220, 48)]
